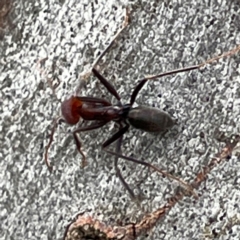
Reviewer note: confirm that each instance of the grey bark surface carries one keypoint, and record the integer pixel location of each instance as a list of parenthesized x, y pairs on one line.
[(53, 43)]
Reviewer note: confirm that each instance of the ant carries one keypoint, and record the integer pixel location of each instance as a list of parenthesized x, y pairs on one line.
[(99, 112)]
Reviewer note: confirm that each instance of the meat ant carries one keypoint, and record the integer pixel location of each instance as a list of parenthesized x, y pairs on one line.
[(100, 112)]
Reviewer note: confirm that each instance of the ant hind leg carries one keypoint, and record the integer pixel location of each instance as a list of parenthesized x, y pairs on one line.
[(119, 134), (136, 199)]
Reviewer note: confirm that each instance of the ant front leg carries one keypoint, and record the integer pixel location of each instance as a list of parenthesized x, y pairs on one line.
[(126, 21), (106, 84), (119, 134), (77, 141), (56, 122), (124, 25)]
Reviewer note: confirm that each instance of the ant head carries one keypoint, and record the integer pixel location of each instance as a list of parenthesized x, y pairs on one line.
[(70, 110)]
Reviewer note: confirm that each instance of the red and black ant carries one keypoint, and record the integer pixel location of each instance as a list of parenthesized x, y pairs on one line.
[(100, 112)]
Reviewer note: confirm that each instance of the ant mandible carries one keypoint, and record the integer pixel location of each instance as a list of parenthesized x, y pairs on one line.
[(100, 112)]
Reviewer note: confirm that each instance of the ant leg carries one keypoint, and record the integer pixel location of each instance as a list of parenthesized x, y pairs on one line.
[(116, 136), (87, 74), (78, 142), (118, 146), (125, 24), (106, 84), (144, 80), (131, 159), (119, 174), (55, 124), (194, 67), (166, 174)]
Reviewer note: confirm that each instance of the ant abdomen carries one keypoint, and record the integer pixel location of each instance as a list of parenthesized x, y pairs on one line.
[(150, 119)]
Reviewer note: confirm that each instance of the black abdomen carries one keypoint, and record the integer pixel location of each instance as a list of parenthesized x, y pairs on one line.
[(150, 119)]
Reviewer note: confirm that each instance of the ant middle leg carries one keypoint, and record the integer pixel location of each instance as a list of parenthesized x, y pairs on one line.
[(119, 134), (106, 84)]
